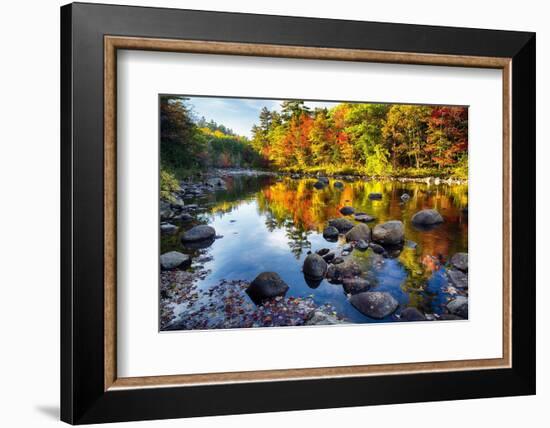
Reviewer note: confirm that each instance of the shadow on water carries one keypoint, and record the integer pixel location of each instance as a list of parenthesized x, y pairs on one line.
[(269, 224)]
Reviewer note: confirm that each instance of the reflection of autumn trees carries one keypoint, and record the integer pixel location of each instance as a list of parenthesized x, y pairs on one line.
[(299, 209)]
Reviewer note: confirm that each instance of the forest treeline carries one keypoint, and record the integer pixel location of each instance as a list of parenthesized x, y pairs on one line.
[(350, 138), (370, 139)]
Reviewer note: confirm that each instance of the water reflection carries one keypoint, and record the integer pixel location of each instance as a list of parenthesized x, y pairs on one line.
[(269, 224)]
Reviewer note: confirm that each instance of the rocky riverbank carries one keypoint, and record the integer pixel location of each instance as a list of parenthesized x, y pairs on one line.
[(184, 306)]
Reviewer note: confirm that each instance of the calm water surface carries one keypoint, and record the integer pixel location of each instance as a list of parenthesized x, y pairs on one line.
[(269, 224)]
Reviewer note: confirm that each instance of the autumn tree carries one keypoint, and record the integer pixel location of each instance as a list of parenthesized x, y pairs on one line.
[(447, 135), (405, 133)]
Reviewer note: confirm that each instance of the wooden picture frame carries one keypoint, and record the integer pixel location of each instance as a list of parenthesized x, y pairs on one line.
[(91, 390)]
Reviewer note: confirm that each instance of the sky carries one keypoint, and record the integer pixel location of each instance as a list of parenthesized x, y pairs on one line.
[(239, 114)]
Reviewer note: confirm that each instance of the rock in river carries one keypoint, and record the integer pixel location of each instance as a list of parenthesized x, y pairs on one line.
[(374, 304), (365, 218), (216, 183), (319, 185), (347, 268), (314, 266), (173, 260), (389, 233), (323, 180), (342, 224), (378, 249), (329, 257), (362, 245), (322, 318), (359, 232), (330, 233), (405, 197), (347, 210), (427, 218), (199, 233), (323, 251), (460, 261), (459, 306), (356, 285), (412, 314), (375, 195), (168, 229), (266, 286), (338, 184), (458, 278)]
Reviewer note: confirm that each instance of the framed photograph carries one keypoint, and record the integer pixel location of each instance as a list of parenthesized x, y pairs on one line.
[(266, 213)]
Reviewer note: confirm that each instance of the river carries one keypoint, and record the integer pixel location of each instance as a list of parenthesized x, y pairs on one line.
[(270, 223)]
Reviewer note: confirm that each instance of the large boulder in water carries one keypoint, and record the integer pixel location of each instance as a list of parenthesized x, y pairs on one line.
[(315, 266), (374, 304), (427, 217), (199, 233), (342, 224), (389, 233), (359, 232), (460, 261), (266, 286), (173, 260)]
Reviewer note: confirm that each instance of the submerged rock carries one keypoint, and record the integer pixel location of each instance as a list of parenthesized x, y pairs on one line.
[(342, 224), (323, 251), (338, 184), (265, 286), (460, 261), (412, 314), (347, 210), (459, 306), (389, 233), (199, 233), (330, 233), (173, 260), (374, 304), (319, 185), (427, 217), (405, 197), (359, 232), (315, 266)]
